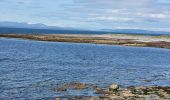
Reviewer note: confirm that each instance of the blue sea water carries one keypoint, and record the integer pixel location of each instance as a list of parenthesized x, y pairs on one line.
[(5, 30), (32, 69)]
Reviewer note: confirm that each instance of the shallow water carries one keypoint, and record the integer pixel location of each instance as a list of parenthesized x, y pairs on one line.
[(32, 69)]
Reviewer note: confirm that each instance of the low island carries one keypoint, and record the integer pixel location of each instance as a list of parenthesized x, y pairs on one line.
[(110, 39)]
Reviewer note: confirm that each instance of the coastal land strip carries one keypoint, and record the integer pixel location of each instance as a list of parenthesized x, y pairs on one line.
[(110, 39)]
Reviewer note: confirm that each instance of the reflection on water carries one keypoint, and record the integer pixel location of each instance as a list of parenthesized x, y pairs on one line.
[(31, 69)]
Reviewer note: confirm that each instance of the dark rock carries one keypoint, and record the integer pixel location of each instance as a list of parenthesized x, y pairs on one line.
[(60, 89)]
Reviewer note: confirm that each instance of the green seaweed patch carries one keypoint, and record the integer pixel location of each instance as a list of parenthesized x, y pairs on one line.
[(160, 91)]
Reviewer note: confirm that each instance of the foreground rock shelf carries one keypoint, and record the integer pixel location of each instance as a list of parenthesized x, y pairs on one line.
[(114, 92), (111, 39)]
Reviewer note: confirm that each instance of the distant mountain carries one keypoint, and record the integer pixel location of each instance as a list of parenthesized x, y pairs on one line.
[(31, 26), (135, 31), (25, 25)]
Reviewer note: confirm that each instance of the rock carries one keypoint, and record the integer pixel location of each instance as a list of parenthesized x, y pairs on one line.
[(61, 89), (74, 86), (127, 93), (101, 91), (78, 86), (116, 93), (98, 90), (152, 97), (114, 87), (58, 98)]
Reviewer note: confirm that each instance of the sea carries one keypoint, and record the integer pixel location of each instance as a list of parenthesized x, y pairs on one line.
[(32, 70)]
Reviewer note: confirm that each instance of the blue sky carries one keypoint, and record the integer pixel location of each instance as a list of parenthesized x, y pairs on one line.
[(90, 14)]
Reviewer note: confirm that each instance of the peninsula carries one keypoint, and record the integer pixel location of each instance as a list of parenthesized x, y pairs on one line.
[(110, 39)]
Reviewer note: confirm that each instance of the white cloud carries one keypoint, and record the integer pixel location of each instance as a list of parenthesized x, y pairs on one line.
[(154, 15), (113, 19), (89, 13)]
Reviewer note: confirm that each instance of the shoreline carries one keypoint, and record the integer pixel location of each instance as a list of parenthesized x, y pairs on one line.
[(115, 92), (110, 39)]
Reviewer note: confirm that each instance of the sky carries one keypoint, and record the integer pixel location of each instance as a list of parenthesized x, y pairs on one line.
[(90, 14)]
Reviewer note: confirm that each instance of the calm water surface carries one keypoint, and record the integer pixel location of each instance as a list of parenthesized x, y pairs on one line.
[(32, 69)]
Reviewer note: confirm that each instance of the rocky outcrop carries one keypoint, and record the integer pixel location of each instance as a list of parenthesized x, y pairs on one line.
[(73, 86), (114, 92)]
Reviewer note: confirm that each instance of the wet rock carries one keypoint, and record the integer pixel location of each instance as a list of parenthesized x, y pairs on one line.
[(116, 93), (77, 85), (127, 93), (113, 87), (72, 86), (153, 97), (103, 91), (165, 89), (80, 98), (99, 90), (58, 98), (61, 89)]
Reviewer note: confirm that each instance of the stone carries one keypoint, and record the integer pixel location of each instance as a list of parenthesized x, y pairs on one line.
[(60, 89), (78, 86), (100, 91), (58, 98), (127, 93), (113, 87)]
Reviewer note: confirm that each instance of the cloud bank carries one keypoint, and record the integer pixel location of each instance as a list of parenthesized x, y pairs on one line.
[(90, 14)]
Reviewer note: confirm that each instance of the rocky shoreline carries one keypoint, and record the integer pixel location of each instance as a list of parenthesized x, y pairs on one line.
[(115, 92), (111, 39)]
